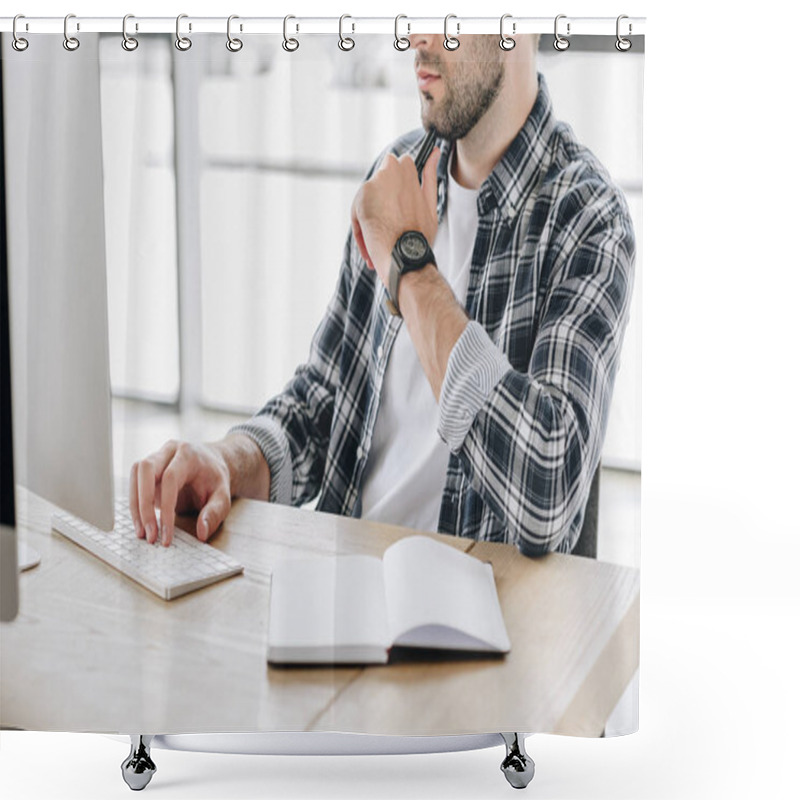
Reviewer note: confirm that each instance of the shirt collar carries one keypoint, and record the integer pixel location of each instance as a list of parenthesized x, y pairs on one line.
[(519, 170)]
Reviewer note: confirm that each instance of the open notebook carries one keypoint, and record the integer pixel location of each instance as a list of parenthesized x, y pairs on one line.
[(354, 609)]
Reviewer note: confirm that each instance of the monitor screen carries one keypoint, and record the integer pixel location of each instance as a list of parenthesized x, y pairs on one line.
[(9, 596), (57, 279), (6, 452)]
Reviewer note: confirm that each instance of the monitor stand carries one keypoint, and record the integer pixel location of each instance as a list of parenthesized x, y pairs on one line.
[(27, 557)]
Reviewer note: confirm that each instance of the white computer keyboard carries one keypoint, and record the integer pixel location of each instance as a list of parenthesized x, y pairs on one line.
[(187, 564)]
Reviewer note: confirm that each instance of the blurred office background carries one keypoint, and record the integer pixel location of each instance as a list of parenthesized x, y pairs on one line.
[(228, 181)]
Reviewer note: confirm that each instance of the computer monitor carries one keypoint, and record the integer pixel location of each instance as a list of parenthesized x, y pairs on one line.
[(57, 277), (9, 601)]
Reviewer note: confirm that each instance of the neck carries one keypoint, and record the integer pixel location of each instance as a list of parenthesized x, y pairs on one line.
[(477, 154)]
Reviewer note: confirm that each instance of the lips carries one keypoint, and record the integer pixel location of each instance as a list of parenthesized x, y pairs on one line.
[(426, 79)]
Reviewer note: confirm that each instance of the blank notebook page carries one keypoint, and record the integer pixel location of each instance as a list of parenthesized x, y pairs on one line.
[(432, 584), (329, 602)]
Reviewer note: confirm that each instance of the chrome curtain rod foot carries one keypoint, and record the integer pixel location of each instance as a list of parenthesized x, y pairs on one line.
[(517, 766), (138, 768)]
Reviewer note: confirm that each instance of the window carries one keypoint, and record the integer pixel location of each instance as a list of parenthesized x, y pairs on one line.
[(139, 183)]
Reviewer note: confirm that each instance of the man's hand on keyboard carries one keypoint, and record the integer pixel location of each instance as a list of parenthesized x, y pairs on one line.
[(180, 477)]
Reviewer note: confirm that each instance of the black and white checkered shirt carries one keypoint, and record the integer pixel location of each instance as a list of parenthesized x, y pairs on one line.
[(525, 399)]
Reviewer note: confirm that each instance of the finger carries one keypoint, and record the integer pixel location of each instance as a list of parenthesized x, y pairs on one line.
[(148, 475), (213, 514), (145, 478), (430, 189), (409, 169), (359, 237), (133, 501), (407, 163), (387, 161), (174, 478)]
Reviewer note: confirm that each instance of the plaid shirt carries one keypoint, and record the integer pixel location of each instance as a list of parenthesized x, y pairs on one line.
[(524, 403)]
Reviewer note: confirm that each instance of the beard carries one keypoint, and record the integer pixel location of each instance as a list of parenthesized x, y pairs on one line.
[(470, 90)]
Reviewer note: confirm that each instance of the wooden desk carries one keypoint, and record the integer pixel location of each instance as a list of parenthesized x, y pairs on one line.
[(91, 651)]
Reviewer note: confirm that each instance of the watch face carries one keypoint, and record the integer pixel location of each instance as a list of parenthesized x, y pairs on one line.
[(413, 245)]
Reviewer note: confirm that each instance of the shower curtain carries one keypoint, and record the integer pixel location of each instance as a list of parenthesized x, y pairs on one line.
[(243, 297)]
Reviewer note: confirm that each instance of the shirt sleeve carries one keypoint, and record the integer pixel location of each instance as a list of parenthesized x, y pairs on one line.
[(530, 442), (293, 429)]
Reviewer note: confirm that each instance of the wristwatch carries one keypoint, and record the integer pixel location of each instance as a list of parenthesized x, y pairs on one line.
[(410, 253)]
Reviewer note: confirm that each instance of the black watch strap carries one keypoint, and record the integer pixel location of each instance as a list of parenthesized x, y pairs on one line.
[(411, 252)]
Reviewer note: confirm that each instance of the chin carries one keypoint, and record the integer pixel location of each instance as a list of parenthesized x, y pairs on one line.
[(426, 114)]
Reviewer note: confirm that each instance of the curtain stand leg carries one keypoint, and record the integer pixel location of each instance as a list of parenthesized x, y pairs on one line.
[(517, 766), (138, 768)]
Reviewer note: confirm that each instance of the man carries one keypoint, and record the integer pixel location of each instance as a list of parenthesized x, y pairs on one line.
[(480, 409)]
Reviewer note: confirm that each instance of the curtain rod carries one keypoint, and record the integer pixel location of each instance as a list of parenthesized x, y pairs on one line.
[(456, 26)]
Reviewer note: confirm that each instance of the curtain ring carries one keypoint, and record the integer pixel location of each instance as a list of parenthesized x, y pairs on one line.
[(234, 45), (183, 43), (401, 43), (71, 43), (560, 43), (506, 42), (18, 43), (623, 44), (289, 44), (129, 43), (451, 42), (345, 42)]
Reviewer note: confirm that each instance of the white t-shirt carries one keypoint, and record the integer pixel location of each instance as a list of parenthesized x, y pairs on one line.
[(405, 471)]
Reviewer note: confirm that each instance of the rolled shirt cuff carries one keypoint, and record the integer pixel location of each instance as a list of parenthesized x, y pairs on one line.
[(269, 436), (474, 368)]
